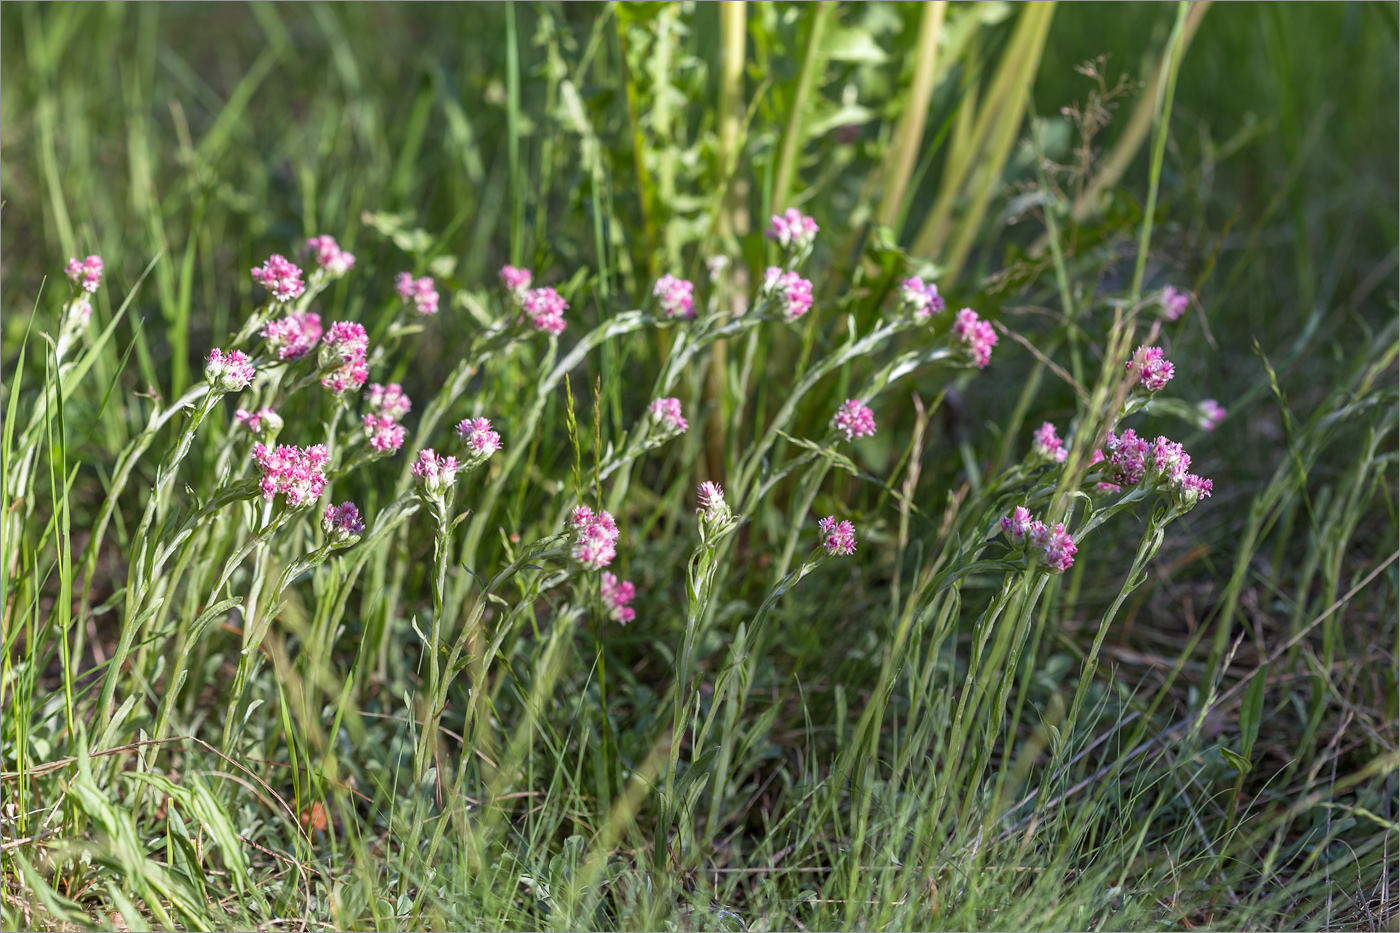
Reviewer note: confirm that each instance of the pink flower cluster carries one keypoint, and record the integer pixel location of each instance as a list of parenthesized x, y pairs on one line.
[(1174, 303), (435, 474), (616, 595), (420, 291), (1046, 444), (1153, 370), (344, 353), (293, 336), (545, 307), (342, 524), (516, 281), (1055, 547), (388, 400), (85, 273), (666, 414), (387, 405), (228, 372), (264, 420), (677, 296), (1209, 414), (838, 538), (328, 255), (1131, 459), (292, 472), (595, 537), (920, 300), (976, 335), (792, 291), (480, 440), (855, 418), (281, 277), (1127, 457), (793, 230)]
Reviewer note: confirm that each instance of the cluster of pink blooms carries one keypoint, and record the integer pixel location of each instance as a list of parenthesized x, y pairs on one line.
[(920, 300), (677, 296), (516, 281), (791, 289), (1174, 303), (595, 537), (328, 255), (1153, 370), (228, 372), (281, 277), (1209, 414), (1131, 459), (257, 422), (435, 474), (85, 273), (292, 472), (855, 418), (293, 336), (420, 291), (793, 230), (1055, 547), (666, 414), (342, 524), (388, 400), (344, 353), (713, 515), (977, 336), (616, 595), (838, 538), (480, 440), (545, 307), (387, 405), (1046, 444)]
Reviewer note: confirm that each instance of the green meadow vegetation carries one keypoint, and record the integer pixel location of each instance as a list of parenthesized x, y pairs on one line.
[(1002, 536)]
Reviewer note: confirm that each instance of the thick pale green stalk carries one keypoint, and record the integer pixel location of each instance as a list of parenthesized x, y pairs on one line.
[(909, 135), (797, 112)]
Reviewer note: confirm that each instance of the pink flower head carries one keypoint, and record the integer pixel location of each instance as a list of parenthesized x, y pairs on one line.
[(1209, 414), (385, 435), (1017, 525), (595, 537), (793, 230), (346, 378), (920, 300), (1059, 548), (228, 372), (666, 416), (328, 255), (1046, 444), (435, 474), (290, 471), (280, 277), (677, 296), (714, 516), (855, 418), (85, 273), (794, 293), (481, 441), (342, 524), (709, 496), (1168, 462), (1152, 369), (838, 538), (616, 595), (976, 335), (343, 352), (545, 308), (1127, 458), (293, 336), (420, 291), (260, 422), (1174, 303), (1193, 489), (388, 400), (516, 281)]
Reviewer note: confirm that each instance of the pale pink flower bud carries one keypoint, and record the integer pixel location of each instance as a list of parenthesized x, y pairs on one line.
[(1174, 303), (714, 515), (838, 538), (385, 435), (262, 423), (228, 372), (85, 273), (1017, 525), (280, 277), (388, 400), (792, 291), (976, 336), (855, 418), (1046, 444), (342, 524), (1209, 414), (420, 291), (666, 417), (480, 440), (1168, 462), (616, 595), (328, 255), (435, 475), (1059, 549), (545, 308), (1127, 458), (516, 281), (1193, 489), (920, 301), (793, 230), (677, 296), (343, 357), (293, 336), (1153, 371)]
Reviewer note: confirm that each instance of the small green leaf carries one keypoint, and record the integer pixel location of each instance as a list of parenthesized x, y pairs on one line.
[(1252, 712), (1236, 760)]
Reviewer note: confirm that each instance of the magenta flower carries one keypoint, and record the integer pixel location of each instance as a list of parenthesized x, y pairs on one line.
[(616, 595), (480, 440), (420, 291), (388, 400), (280, 277), (545, 308), (516, 281), (677, 296), (838, 538), (1209, 414), (1174, 303), (385, 435), (919, 300), (1017, 525), (594, 537), (794, 293), (293, 336), (264, 421), (85, 273), (343, 357), (1127, 458), (1193, 489), (793, 230), (228, 372), (1046, 444), (328, 255), (666, 417), (1058, 548), (977, 336), (1153, 371), (855, 418), (290, 471), (435, 475), (342, 524), (1168, 462)]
